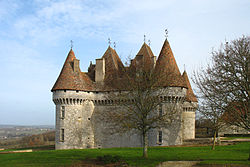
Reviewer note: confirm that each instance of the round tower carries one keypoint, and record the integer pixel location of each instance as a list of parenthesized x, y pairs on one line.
[(188, 120), (189, 108), (73, 109)]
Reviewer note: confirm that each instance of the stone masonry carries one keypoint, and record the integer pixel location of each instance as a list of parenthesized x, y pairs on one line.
[(80, 99)]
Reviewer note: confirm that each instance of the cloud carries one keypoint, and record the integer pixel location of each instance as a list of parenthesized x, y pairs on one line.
[(33, 36), (54, 20)]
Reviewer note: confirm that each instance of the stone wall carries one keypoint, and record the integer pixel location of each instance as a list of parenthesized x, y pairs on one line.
[(188, 120), (83, 127)]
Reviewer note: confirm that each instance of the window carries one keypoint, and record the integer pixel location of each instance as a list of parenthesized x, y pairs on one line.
[(160, 110), (160, 136), (62, 112), (62, 135)]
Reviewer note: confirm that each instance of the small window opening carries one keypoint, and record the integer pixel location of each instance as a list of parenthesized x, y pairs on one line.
[(160, 136), (64, 90), (62, 112), (77, 91), (160, 110), (88, 118), (62, 135)]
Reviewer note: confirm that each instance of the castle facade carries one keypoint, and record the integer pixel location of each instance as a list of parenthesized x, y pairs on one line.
[(80, 99)]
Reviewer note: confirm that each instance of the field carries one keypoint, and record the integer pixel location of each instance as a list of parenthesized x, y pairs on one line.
[(231, 154)]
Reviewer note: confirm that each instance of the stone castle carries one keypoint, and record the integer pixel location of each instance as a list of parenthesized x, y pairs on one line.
[(80, 99)]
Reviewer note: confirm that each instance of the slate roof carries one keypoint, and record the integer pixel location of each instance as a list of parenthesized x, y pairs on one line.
[(190, 94)]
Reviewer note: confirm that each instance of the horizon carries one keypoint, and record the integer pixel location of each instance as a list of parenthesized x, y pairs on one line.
[(23, 125)]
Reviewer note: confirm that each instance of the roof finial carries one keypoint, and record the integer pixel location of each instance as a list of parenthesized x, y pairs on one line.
[(144, 38), (71, 44), (109, 41), (149, 42), (166, 33), (184, 67), (114, 45)]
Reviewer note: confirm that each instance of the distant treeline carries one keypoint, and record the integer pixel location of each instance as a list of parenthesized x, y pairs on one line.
[(44, 139)]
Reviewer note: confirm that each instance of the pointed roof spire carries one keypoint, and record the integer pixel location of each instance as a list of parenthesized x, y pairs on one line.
[(167, 67), (190, 94), (109, 41), (143, 57), (71, 44), (71, 77), (166, 33), (113, 63), (149, 42)]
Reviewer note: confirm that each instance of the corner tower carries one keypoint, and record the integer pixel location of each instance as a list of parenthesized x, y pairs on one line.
[(189, 108), (73, 126)]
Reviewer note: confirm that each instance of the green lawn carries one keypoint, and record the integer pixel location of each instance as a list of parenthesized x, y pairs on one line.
[(237, 154), (232, 138)]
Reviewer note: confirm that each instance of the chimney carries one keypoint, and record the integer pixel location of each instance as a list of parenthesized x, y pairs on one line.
[(76, 65), (153, 61), (100, 70)]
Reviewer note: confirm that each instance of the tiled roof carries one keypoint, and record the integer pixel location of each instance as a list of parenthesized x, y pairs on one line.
[(74, 79), (190, 94), (166, 67), (113, 64), (69, 79), (143, 58)]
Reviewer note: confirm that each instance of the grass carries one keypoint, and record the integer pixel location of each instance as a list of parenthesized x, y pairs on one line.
[(231, 138), (232, 154)]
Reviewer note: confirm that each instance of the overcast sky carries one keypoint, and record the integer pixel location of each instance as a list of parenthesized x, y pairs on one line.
[(35, 40)]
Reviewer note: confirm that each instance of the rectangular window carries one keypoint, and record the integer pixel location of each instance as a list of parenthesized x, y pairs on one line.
[(62, 112), (62, 135), (160, 136), (160, 110)]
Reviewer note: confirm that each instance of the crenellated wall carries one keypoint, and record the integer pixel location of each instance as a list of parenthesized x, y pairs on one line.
[(83, 127)]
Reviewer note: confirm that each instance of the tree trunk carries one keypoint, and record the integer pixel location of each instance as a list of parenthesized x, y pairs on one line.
[(213, 147), (145, 145)]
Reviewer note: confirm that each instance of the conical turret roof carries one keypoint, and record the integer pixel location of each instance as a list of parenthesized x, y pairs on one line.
[(144, 57), (70, 79), (112, 60), (190, 94), (166, 67), (113, 64)]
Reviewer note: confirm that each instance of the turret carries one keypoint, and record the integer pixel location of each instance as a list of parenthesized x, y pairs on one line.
[(189, 108), (71, 100)]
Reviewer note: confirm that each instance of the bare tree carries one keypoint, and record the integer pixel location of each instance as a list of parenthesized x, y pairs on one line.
[(137, 99), (209, 105), (224, 85)]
